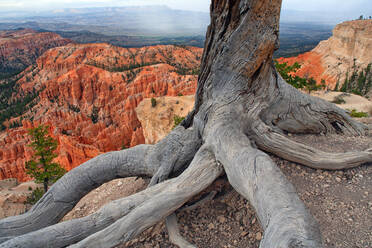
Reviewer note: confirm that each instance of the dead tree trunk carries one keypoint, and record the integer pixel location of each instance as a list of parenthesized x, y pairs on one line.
[(243, 109)]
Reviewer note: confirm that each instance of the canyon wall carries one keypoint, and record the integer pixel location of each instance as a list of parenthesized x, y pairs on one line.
[(88, 95), (349, 47)]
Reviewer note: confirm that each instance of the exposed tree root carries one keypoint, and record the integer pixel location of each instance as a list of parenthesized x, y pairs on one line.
[(172, 222), (296, 112), (72, 231), (143, 160), (199, 203), (200, 174), (66, 193), (270, 141), (283, 216), (174, 233)]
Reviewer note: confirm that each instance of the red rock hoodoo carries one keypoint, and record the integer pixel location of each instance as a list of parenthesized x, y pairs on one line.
[(88, 95)]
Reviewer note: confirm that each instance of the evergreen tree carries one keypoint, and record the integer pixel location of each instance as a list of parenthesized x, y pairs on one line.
[(337, 86), (42, 167), (345, 86)]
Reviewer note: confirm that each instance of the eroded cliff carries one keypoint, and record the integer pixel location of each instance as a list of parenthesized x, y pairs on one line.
[(349, 48), (88, 95)]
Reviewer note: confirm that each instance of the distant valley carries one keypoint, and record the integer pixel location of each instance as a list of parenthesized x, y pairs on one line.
[(154, 25)]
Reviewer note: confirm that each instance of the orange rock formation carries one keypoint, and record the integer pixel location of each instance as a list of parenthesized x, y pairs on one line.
[(88, 98), (351, 44), (20, 48)]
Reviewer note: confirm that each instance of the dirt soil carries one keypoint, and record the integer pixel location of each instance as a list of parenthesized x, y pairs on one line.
[(359, 103), (341, 201)]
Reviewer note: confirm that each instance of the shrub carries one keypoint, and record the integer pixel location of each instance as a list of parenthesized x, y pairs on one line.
[(338, 100), (35, 196), (357, 114), (177, 120), (153, 102), (74, 108), (94, 115)]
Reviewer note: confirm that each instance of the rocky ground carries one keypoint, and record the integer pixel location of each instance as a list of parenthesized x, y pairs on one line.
[(13, 197)]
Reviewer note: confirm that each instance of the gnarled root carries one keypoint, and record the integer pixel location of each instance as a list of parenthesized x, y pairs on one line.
[(200, 174), (174, 233), (283, 216), (296, 112), (143, 160), (172, 222), (67, 191), (72, 231), (276, 143)]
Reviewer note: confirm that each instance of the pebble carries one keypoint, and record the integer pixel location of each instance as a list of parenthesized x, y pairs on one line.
[(211, 226), (221, 219), (258, 236), (253, 221)]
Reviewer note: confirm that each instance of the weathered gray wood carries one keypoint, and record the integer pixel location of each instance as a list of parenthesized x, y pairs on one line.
[(296, 112), (202, 171), (283, 216), (143, 160), (66, 193), (270, 141), (199, 203), (73, 231), (174, 232)]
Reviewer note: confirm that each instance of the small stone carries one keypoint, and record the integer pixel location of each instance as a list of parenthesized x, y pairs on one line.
[(253, 221), (338, 179), (243, 234), (221, 219), (211, 226), (120, 183), (258, 236)]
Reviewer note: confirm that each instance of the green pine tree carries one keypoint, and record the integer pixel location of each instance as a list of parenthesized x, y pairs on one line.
[(42, 167), (337, 86)]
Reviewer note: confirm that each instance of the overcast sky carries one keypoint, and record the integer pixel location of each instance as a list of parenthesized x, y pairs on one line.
[(347, 7)]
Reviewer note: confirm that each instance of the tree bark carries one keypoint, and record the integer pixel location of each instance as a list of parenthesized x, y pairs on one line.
[(45, 183), (243, 108)]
